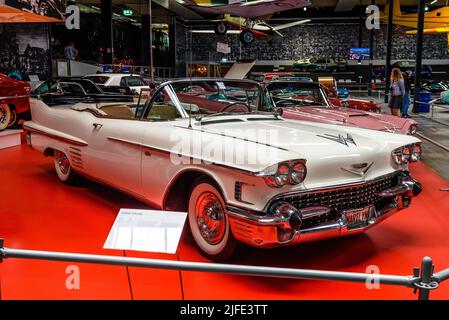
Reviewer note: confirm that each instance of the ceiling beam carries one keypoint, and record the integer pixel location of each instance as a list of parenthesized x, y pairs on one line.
[(346, 5)]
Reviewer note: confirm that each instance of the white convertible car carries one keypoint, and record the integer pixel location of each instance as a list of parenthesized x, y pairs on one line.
[(215, 149)]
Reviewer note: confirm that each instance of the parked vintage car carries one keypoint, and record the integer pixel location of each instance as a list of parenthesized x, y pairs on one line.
[(434, 86), (308, 101), (238, 169), (69, 90), (359, 104), (320, 64), (119, 82), (269, 76), (14, 101)]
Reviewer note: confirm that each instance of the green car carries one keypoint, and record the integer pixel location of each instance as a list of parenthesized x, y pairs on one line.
[(320, 64)]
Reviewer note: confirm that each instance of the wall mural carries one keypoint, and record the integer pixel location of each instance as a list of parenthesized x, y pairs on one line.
[(24, 50), (313, 40), (46, 8)]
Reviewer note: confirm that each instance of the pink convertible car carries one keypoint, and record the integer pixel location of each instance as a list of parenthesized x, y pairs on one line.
[(308, 101)]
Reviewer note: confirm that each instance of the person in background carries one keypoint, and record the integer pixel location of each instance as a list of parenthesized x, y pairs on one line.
[(70, 52), (397, 90), (408, 89)]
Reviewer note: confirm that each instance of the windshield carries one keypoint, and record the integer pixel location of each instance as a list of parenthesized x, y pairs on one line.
[(296, 94), (206, 98)]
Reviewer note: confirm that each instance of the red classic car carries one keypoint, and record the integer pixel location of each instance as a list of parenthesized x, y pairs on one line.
[(14, 101), (359, 104), (309, 101), (330, 86)]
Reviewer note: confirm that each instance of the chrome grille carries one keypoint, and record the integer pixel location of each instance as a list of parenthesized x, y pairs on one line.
[(345, 198)]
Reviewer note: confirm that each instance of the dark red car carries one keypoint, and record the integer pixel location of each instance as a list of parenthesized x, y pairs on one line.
[(365, 105), (14, 101)]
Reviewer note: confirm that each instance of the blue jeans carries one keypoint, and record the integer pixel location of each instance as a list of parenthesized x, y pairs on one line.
[(405, 104)]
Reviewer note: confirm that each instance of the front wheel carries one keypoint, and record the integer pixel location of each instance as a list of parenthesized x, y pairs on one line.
[(209, 223), (63, 168), (5, 116), (247, 37)]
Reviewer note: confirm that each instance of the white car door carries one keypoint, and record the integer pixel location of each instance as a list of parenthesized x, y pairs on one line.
[(114, 153), (163, 119)]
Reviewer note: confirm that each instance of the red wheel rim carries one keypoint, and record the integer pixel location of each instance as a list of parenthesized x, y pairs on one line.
[(210, 218), (63, 162)]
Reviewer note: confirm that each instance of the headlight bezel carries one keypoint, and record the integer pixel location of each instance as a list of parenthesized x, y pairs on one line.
[(284, 173), (407, 154)]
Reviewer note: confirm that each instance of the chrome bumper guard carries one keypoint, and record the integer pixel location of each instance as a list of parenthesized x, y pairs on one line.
[(269, 230)]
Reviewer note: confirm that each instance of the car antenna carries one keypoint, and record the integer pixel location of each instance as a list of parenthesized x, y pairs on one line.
[(190, 76)]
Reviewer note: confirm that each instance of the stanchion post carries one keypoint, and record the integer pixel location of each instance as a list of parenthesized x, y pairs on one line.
[(426, 278), (2, 241)]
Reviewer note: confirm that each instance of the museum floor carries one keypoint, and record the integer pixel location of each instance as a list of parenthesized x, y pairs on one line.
[(39, 212)]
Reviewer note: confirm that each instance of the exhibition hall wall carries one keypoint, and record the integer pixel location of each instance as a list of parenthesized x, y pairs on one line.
[(313, 40), (24, 50)]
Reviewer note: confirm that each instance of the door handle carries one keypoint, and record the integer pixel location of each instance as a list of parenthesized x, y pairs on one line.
[(97, 125)]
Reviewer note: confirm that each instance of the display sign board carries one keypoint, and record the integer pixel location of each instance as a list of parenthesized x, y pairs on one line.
[(223, 47), (22, 11), (146, 230)]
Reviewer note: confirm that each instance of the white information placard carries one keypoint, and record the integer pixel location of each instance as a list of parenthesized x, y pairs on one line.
[(146, 230)]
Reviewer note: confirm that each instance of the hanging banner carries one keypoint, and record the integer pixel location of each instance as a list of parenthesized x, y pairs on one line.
[(22, 11)]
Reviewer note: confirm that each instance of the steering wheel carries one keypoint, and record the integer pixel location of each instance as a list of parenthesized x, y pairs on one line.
[(233, 105)]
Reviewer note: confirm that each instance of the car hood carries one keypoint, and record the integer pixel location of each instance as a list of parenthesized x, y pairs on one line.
[(328, 149), (347, 117)]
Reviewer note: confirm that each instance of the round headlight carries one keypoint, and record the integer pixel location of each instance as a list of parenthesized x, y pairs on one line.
[(412, 129), (298, 173), (282, 175), (406, 153), (416, 152), (396, 155)]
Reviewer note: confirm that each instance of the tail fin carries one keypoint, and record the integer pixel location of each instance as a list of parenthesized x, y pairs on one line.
[(396, 8)]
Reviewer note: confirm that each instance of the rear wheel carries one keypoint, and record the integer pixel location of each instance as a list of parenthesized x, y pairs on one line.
[(220, 28), (5, 116), (209, 223), (14, 119), (63, 168), (246, 36)]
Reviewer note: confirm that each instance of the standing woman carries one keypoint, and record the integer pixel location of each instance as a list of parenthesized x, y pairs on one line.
[(397, 90)]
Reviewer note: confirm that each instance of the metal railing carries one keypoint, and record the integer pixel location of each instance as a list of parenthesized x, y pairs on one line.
[(422, 280)]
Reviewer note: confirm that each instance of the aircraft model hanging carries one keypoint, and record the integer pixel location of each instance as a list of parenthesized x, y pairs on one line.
[(435, 21), (254, 14), (248, 30)]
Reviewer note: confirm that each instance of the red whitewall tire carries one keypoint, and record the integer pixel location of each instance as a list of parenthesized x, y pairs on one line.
[(209, 222)]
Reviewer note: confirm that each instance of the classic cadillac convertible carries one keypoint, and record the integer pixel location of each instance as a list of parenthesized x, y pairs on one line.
[(216, 149)]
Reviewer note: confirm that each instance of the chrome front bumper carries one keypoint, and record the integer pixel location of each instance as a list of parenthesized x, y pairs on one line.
[(267, 230)]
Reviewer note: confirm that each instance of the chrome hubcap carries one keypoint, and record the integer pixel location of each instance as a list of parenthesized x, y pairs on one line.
[(210, 218), (63, 162), (2, 114)]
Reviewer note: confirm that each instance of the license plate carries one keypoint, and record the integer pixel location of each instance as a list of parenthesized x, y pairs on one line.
[(358, 217)]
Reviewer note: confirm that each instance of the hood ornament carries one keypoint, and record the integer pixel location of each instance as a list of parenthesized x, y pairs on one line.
[(340, 139), (359, 169)]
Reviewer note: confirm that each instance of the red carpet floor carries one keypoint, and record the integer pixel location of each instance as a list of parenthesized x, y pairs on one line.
[(39, 212)]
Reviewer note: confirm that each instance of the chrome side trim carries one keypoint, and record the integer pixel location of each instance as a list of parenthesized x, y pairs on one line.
[(55, 136), (146, 146), (15, 97)]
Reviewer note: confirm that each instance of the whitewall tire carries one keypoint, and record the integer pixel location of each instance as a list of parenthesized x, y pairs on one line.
[(209, 222), (63, 168), (5, 116)]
